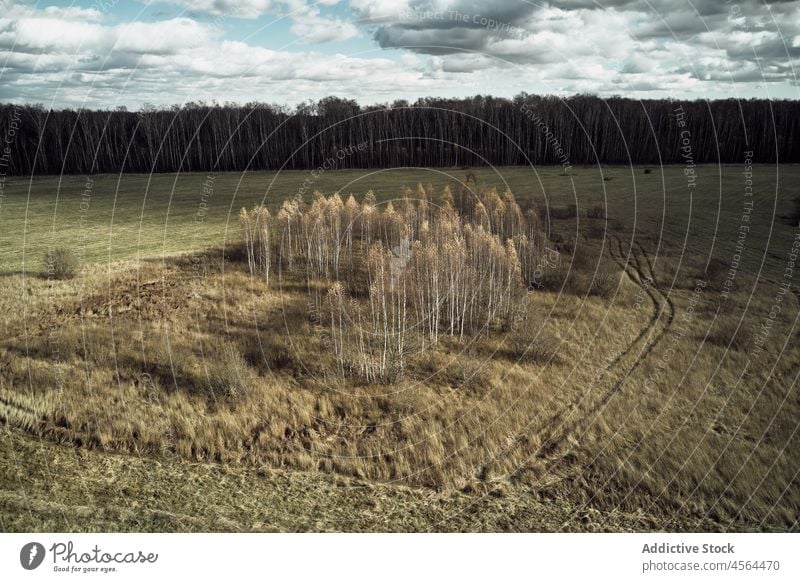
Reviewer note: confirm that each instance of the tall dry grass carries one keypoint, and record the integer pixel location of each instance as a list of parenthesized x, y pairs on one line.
[(597, 396)]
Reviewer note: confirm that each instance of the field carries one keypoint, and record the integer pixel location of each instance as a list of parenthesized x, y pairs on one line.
[(167, 388)]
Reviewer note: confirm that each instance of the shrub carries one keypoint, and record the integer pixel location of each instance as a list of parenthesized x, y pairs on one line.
[(605, 282), (564, 212), (596, 212), (616, 226), (279, 356), (468, 373), (568, 247), (716, 273), (579, 272), (595, 230), (584, 258), (60, 264), (552, 277), (794, 213), (532, 344), (228, 374), (725, 334), (271, 353), (578, 283)]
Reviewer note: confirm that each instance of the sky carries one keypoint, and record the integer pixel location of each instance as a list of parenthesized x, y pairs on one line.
[(110, 53)]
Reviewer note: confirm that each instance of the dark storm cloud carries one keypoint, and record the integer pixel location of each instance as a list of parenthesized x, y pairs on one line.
[(433, 41), (742, 40), (427, 26), (420, 14)]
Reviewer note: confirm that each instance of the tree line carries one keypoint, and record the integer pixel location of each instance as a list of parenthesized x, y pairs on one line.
[(430, 132)]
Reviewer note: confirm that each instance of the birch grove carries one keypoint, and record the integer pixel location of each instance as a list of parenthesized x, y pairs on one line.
[(256, 232), (390, 280)]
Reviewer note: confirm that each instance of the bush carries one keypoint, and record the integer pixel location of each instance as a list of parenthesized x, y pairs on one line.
[(596, 212), (605, 282), (578, 283), (552, 277), (270, 353), (228, 373), (794, 213), (568, 246), (60, 264), (532, 344), (616, 226), (716, 273), (725, 335), (584, 258), (468, 373), (595, 230), (564, 212), (279, 356), (579, 278)]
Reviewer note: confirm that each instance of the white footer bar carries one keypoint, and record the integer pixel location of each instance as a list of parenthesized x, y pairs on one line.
[(401, 557)]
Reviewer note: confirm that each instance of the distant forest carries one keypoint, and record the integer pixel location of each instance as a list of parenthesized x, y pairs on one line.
[(339, 133)]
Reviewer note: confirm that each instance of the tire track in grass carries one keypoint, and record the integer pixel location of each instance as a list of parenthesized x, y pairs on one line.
[(561, 448), (556, 419), (792, 368)]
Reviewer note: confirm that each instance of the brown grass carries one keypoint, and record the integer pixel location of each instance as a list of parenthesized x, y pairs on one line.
[(632, 413), (458, 419), (245, 377)]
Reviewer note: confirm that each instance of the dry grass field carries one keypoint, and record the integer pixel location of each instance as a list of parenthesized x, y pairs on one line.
[(165, 387)]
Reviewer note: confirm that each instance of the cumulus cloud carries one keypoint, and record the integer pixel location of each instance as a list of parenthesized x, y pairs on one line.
[(308, 21), (311, 26), (82, 55), (77, 62), (709, 40), (322, 30), (224, 8)]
